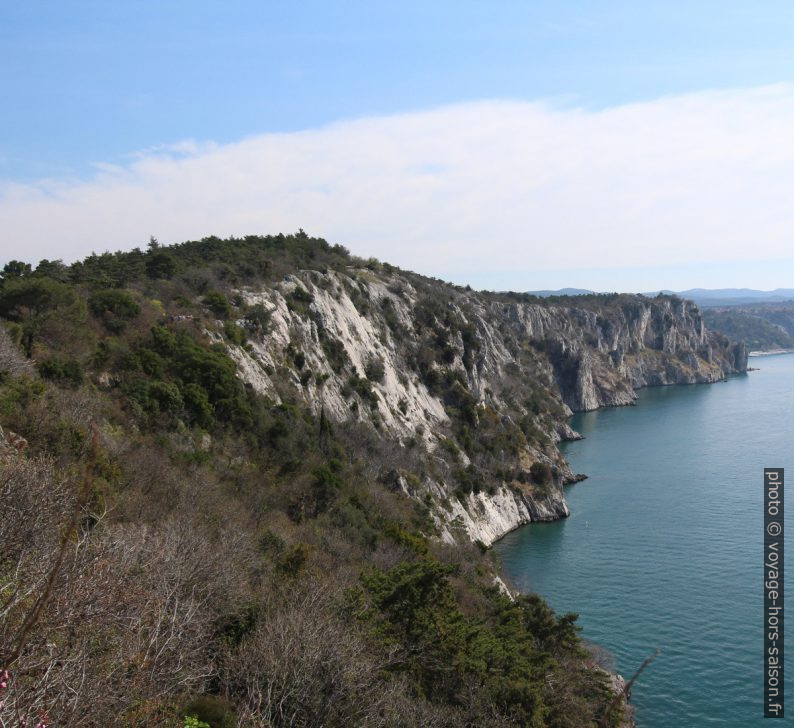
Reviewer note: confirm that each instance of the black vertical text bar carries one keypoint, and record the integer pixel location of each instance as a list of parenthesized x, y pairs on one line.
[(773, 592)]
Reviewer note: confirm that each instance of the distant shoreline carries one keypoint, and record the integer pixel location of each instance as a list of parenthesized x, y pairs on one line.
[(771, 352)]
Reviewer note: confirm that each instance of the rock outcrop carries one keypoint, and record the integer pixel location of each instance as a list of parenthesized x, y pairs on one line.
[(479, 385)]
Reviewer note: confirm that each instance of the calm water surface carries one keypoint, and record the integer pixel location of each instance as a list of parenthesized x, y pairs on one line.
[(663, 548)]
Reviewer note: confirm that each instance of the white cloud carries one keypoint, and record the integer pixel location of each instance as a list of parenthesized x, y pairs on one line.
[(467, 189)]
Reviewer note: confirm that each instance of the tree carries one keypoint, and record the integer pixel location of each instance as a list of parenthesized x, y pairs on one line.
[(160, 265), (54, 269), (31, 301), (15, 269)]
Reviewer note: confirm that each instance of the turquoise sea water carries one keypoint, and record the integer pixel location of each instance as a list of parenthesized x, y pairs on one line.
[(663, 548)]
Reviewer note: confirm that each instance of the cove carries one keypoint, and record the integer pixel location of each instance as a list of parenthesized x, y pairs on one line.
[(663, 548)]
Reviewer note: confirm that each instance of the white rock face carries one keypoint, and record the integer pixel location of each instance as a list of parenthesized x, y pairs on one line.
[(487, 518), (405, 407), (328, 330)]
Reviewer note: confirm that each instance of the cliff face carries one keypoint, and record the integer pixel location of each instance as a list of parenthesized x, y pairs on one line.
[(601, 357), (483, 383)]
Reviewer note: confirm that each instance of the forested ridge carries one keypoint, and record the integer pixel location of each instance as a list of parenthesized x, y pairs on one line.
[(181, 549), (761, 326)]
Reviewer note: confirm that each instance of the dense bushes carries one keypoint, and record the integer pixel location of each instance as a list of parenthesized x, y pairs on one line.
[(172, 373), (501, 658), (67, 371), (115, 308)]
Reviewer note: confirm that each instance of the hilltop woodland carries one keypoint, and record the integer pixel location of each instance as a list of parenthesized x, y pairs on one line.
[(178, 550)]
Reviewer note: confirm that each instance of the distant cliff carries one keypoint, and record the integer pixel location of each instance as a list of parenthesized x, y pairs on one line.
[(483, 381), (760, 326)]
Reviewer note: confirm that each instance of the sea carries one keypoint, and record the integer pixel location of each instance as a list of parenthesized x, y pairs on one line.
[(663, 550)]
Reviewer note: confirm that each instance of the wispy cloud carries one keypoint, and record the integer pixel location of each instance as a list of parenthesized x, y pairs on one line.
[(488, 186)]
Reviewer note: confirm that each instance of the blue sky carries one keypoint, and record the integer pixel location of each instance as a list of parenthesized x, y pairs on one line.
[(102, 96)]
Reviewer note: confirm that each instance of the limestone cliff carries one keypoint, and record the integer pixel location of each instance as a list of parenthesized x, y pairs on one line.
[(469, 392)]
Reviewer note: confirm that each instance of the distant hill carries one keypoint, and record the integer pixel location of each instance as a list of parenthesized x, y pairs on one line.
[(710, 297), (562, 292), (703, 297)]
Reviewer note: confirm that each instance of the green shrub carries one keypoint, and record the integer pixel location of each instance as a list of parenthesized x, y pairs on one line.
[(211, 711), (115, 307), (375, 370), (301, 295), (165, 397), (363, 388), (64, 371), (218, 304), (334, 350), (17, 393), (325, 487), (234, 333), (293, 560), (541, 473), (161, 265), (191, 721), (36, 302), (257, 318), (176, 373), (197, 404)]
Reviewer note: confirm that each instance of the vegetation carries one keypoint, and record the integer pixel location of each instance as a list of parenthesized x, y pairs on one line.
[(179, 550), (761, 327)]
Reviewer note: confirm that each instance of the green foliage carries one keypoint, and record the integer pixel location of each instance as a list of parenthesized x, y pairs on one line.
[(164, 396), (173, 373), (294, 559), (257, 318), (18, 393), (532, 432), (54, 269), (363, 388), (334, 350), (218, 304), (512, 654), (193, 722), (161, 265), (299, 300), (390, 317), (326, 485), (114, 307), (62, 370), (234, 333), (470, 479), (15, 269), (33, 302), (759, 327), (374, 370), (209, 711), (301, 295), (541, 473)]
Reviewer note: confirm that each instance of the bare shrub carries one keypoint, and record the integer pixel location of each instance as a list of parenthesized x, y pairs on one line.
[(129, 613), (304, 666), (11, 359)]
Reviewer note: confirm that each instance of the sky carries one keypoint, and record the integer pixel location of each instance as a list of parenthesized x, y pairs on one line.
[(507, 145)]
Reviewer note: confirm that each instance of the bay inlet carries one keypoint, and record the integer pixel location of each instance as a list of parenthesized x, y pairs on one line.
[(664, 543)]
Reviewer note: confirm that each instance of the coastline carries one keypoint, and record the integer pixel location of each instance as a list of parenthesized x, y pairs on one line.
[(618, 684), (770, 352)]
